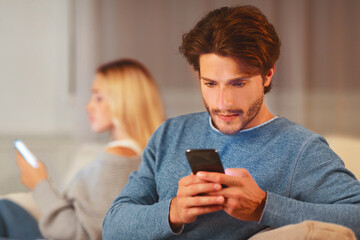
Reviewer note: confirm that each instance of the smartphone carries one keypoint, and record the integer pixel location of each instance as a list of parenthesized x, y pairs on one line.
[(25, 152), (204, 160)]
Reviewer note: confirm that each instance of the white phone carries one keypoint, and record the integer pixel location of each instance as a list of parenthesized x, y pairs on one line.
[(25, 152)]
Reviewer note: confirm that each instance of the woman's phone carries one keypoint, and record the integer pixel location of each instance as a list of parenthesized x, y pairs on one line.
[(25, 152), (204, 160)]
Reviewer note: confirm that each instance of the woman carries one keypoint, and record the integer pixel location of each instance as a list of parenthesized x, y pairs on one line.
[(125, 102)]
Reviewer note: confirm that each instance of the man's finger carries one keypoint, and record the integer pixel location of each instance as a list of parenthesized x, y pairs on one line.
[(225, 179), (189, 180)]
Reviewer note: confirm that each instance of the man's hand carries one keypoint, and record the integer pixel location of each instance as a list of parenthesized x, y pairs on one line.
[(243, 197), (30, 176), (191, 201)]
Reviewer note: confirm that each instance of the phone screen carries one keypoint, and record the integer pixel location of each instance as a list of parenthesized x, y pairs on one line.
[(25, 152), (204, 160)]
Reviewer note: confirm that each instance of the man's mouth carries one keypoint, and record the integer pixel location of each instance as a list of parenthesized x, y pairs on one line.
[(227, 117)]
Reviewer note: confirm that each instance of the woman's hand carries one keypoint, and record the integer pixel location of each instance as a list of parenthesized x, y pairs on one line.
[(30, 176)]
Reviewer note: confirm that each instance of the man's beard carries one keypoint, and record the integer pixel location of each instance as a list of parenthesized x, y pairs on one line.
[(244, 117)]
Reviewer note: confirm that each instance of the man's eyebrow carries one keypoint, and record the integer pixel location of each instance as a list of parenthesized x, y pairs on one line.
[(206, 79), (239, 79), (243, 78)]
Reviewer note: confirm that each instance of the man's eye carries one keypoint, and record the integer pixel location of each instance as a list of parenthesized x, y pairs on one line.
[(238, 84), (210, 84), (98, 99)]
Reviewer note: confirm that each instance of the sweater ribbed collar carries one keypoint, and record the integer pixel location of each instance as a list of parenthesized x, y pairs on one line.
[(244, 130)]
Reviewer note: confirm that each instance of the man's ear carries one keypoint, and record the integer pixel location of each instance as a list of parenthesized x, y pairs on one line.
[(269, 76)]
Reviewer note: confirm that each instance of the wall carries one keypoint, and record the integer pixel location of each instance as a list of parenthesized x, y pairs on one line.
[(50, 49), (34, 96), (53, 47)]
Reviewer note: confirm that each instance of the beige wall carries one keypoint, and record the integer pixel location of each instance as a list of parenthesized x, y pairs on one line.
[(50, 50), (317, 77)]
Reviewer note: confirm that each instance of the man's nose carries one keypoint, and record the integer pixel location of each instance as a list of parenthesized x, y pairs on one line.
[(225, 98)]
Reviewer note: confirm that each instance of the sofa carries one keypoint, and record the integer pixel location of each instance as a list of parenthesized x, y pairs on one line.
[(348, 148)]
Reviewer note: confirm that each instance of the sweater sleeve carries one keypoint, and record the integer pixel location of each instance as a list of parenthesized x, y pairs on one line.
[(52, 205), (137, 212), (78, 214), (322, 189)]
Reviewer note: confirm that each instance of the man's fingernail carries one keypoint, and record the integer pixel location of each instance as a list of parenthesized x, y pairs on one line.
[(217, 186)]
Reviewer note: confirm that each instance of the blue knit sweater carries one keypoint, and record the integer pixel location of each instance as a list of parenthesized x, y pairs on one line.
[(303, 177)]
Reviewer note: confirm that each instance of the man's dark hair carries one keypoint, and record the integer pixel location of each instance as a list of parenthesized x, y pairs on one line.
[(242, 33)]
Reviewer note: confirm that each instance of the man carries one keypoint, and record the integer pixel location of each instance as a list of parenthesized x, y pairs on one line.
[(277, 172)]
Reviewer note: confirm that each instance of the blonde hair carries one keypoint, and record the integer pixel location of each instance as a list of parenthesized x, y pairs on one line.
[(134, 99)]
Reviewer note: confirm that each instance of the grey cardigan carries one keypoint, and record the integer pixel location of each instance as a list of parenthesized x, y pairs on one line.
[(78, 212)]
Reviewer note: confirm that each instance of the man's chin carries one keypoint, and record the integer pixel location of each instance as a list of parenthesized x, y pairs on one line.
[(228, 129)]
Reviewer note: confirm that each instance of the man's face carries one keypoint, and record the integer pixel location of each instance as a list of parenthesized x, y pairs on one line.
[(234, 100)]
